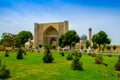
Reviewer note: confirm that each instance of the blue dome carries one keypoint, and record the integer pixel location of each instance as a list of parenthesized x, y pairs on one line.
[(83, 37)]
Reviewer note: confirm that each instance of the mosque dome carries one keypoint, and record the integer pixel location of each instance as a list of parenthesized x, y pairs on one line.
[(83, 37)]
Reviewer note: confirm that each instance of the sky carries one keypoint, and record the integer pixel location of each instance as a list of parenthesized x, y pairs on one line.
[(18, 15)]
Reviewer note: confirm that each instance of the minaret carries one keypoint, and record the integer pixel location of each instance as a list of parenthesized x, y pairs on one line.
[(90, 35)]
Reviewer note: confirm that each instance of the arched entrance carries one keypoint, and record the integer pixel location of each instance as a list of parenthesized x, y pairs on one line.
[(50, 36)]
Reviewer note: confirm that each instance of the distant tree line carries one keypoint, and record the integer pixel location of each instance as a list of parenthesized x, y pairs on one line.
[(15, 40)]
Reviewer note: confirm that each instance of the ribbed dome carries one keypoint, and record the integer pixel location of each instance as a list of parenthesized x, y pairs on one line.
[(83, 37)]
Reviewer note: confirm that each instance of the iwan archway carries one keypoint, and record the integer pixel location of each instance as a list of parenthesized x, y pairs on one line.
[(50, 36), (48, 33)]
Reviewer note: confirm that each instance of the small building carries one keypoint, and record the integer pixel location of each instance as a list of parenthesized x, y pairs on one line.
[(29, 44)]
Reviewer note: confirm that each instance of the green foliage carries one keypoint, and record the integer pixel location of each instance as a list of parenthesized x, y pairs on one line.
[(4, 73), (0, 62), (95, 46), (76, 65), (7, 53), (119, 58), (70, 56), (99, 59), (101, 38), (93, 54), (108, 47), (30, 46), (24, 36), (110, 55), (40, 46), (10, 40), (1, 41), (87, 44), (68, 38), (33, 64), (62, 53), (117, 65), (78, 54), (82, 47), (73, 44), (89, 54), (103, 48), (20, 53), (114, 47), (47, 58), (53, 46)]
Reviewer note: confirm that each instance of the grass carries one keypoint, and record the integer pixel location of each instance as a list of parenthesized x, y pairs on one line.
[(33, 68)]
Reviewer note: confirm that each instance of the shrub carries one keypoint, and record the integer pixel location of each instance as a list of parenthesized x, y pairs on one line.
[(89, 54), (4, 73), (98, 59), (76, 65), (93, 54), (105, 64), (20, 53), (110, 55), (24, 52), (70, 56), (6, 53), (78, 54), (117, 65), (47, 58), (38, 51), (62, 53), (73, 52)]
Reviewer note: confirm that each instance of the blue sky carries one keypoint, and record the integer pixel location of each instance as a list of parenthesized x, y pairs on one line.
[(17, 15)]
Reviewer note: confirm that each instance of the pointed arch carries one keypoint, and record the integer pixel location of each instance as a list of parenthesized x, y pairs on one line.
[(50, 36)]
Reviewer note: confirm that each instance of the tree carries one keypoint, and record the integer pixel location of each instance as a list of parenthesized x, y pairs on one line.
[(114, 48), (10, 40), (47, 58), (95, 46), (67, 38), (108, 48), (87, 44), (73, 44), (25, 36), (1, 41), (40, 46), (82, 47), (101, 38)]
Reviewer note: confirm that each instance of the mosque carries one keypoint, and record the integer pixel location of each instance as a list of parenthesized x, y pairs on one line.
[(48, 33)]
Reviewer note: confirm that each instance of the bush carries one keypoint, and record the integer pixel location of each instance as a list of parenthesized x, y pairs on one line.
[(20, 53), (76, 65), (78, 54), (110, 55), (62, 53), (105, 64), (24, 52), (47, 58), (4, 73), (93, 54), (98, 59), (6, 54), (89, 54), (117, 65), (70, 56)]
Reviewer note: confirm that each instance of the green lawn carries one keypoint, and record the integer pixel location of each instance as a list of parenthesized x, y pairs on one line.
[(33, 68)]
